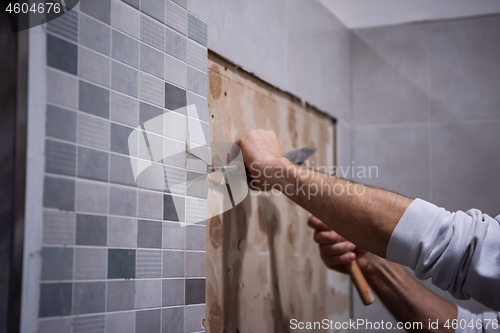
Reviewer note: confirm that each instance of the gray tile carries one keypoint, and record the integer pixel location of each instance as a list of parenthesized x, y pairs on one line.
[(195, 291), (201, 106), (125, 49), (91, 197), (197, 185), (122, 201), (99, 9), (94, 35), (173, 264), (89, 297), (182, 3), (62, 55), (134, 3), (151, 89), (173, 208), (199, 8), (57, 263), (89, 324), (152, 61), (93, 67), (62, 89), (91, 230), (175, 97), (174, 236), (175, 180), (55, 299), (172, 320), (120, 295), (197, 30), (65, 26), (149, 234), (93, 99), (152, 33), (54, 325), (152, 177), (92, 131), (125, 18), (195, 164), (197, 55), (121, 264), (176, 17), (120, 322), (193, 316), (60, 158), (124, 79), (93, 164), (196, 210), (124, 109), (59, 193), (195, 264), (90, 264), (175, 71), (150, 206), (147, 294), (154, 8), (175, 44), (58, 227), (196, 237), (149, 112), (148, 264), (122, 232), (148, 321), (119, 138), (173, 292), (174, 152), (197, 81), (61, 123), (121, 170)]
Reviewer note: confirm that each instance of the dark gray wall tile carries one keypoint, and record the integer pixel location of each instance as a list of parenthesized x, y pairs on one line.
[(152, 61), (197, 81), (57, 263), (173, 320), (175, 97), (134, 3), (59, 193), (93, 99), (175, 44), (125, 49), (120, 295), (55, 299), (119, 138), (196, 237), (173, 292), (89, 297), (197, 30), (62, 55), (89, 324), (91, 230), (65, 26), (195, 291), (121, 264), (173, 264), (99, 9), (148, 321), (93, 164), (122, 201), (173, 208), (124, 79), (94, 35), (149, 234), (148, 112), (152, 33), (61, 123), (154, 8), (121, 170), (60, 157)]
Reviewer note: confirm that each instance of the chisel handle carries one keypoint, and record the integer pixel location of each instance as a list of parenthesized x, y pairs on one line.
[(357, 277)]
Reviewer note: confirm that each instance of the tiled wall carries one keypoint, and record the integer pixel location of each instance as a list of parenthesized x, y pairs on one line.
[(115, 258)]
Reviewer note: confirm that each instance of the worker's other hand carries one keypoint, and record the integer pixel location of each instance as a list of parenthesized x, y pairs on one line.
[(335, 250)]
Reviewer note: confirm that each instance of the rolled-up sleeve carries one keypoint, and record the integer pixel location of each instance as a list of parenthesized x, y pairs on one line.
[(459, 251), (467, 322)]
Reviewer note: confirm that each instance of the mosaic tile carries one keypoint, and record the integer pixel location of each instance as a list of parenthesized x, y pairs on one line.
[(148, 263), (60, 158), (58, 227), (197, 30), (152, 33)]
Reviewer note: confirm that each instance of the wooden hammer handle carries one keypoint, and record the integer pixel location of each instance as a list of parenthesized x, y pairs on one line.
[(357, 277)]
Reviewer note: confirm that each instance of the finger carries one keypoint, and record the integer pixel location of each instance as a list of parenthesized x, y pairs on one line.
[(337, 249), (332, 261), (327, 237), (316, 224)]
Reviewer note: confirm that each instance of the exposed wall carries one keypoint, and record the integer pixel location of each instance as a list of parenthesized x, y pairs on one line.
[(426, 110)]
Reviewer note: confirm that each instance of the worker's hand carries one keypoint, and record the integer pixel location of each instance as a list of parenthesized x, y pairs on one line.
[(335, 250)]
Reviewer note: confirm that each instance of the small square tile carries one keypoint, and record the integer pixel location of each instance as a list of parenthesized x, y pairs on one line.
[(201, 106), (195, 291), (89, 297), (150, 206), (120, 322), (92, 131), (99, 9), (149, 234), (90, 264), (121, 264), (154, 8), (121, 170), (197, 30), (197, 81), (93, 67), (124, 79), (61, 123), (197, 55), (152, 61), (91, 197), (195, 264), (175, 44), (120, 295), (124, 109), (57, 263), (120, 138), (54, 325), (173, 264), (62, 89), (182, 3), (173, 320), (93, 100), (59, 193), (125, 18), (65, 26), (175, 71), (60, 158), (199, 8), (58, 227), (149, 117), (173, 208), (175, 180), (196, 210), (173, 292), (133, 3), (125, 49), (62, 55), (55, 299), (122, 201), (148, 321), (175, 97), (88, 324), (174, 236), (196, 237), (193, 317), (148, 264), (94, 35), (148, 294), (151, 89), (152, 33), (176, 17), (174, 152), (91, 230), (93, 164), (122, 232)]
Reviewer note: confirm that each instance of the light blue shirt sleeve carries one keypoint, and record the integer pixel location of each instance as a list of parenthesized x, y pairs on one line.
[(467, 322), (459, 251)]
